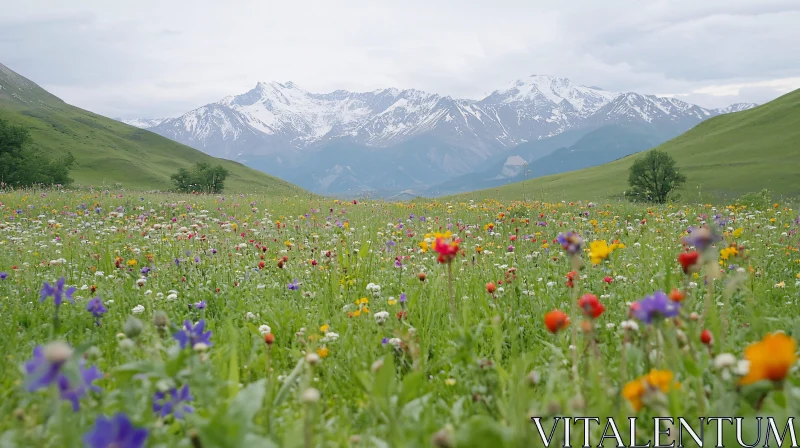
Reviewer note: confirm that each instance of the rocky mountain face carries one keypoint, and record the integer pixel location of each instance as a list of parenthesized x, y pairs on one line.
[(391, 140)]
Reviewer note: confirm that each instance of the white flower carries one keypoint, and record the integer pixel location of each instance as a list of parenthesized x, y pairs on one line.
[(311, 395), (172, 296), (381, 316), (141, 281), (724, 360), (629, 325), (148, 292), (330, 337), (264, 329), (99, 274), (138, 309), (395, 342), (742, 367), (249, 316)]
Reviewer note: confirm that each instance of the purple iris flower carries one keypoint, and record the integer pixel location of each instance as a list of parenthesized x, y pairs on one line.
[(656, 306), (117, 432), (701, 238), (3, 275), (96, 307), (571, 242), (73, 391), (201, 305), (193, 334), (57, 292), (294, 286), (175, 404), (44, 369)]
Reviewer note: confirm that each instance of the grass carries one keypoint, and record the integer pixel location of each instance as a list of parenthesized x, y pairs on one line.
[(108, 152), (349, 363), (723, 158)]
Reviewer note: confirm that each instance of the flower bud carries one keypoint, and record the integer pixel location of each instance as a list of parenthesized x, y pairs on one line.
[(694, 317), (443, 438), (133, 327), (377, 365), (126, 344), (312, 359), (160, 320), (311, 395), (57, 352), (93, 353)]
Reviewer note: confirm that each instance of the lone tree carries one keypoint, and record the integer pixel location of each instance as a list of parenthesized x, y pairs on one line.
[(653, 177), (22, 164), (202, 178)]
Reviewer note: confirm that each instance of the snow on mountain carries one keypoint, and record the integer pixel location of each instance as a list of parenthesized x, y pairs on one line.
[(280, 127), (144, 123), (738, 107)]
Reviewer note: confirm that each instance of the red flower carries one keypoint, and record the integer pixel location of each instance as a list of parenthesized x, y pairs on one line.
[(591, 306), (706, 337), (676, 295), (608, 279), (269, 338), (491, 288), (555, 321), (688, 260), (447, 250), (260, 265), (571, 278)]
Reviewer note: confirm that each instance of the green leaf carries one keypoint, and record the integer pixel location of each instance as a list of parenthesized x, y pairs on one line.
[(481, 431), (412, 386), (248, 401)]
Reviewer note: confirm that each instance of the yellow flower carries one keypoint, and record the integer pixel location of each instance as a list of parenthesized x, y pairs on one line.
[(738, 232), (770, 359), (599, 251), (363, 301), (347, 225), (656, 380), (287, 243), (450, 381), (424, 246), (324, 328), (322, 352), (727, 252), (132, 262), (392, 302)]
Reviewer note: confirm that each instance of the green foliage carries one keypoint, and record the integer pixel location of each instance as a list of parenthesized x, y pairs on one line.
[(763, 199), (202, 178), (23, 165), (653, 177)]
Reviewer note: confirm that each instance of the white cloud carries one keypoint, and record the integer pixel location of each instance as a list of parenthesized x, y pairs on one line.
[(153, 58)]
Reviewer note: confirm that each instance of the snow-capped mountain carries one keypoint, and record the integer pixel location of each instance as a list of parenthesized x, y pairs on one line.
[(144, 123), (738, 107), (326, 141)]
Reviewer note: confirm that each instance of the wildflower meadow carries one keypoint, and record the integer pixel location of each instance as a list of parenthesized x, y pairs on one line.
[(164, 320)]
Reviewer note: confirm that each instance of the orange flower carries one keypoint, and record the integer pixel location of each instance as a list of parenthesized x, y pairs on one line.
[(676, 295), (770, 359), (491, 288), (556, 320), (446, 248), (656, 380)]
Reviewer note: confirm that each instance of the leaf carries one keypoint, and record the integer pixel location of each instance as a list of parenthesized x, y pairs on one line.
[(259, 441), (481, 431), (457, 410), (412, 386), (691, 366), (384, 384), (288, 382), (248, 401), (414, 408)]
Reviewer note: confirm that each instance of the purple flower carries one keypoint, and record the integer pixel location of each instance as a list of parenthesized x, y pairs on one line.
[(390, 244), (511, 248), (656, 306), (176, 405), (385, 341), (701, 238), (294, 286), (145, 270), (541, 224), (571, 242), (423, 219), (117, 432), (57, 292), (96, 307), (193, 335), (398, 263), (403, 297), (201, 305), (45, 367), (73, 391), (3, 275)]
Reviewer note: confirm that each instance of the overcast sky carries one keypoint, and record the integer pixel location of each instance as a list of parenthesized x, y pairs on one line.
[(161, 58)]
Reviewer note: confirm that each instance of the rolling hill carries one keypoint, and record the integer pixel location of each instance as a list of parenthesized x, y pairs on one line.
[(722, 158), (108, 152)]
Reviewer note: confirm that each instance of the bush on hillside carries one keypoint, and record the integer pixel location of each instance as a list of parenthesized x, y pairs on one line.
[(202, 178), (654, 178), (22, 165)]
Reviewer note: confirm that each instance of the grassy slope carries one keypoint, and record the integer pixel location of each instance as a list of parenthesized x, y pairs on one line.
[(108, 151), (723, 157)]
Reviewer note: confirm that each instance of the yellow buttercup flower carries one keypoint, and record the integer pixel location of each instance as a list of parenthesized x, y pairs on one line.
[(599, 251)]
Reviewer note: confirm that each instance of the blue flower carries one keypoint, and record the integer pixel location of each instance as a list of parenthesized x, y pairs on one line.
[(145, 270), (45, 367), (3, 275), (294, 286), (402, 297), (96, 307), (201, 305), (656, 306), (117, 432), (571, 242), (73, 391), (176, 405), (193, 335), (57, 292)]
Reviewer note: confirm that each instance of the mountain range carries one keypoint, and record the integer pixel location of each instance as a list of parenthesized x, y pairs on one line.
[(390, 141)]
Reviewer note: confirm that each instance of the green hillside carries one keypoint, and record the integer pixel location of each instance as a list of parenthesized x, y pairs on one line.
[(109, 152), (723, 158)]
